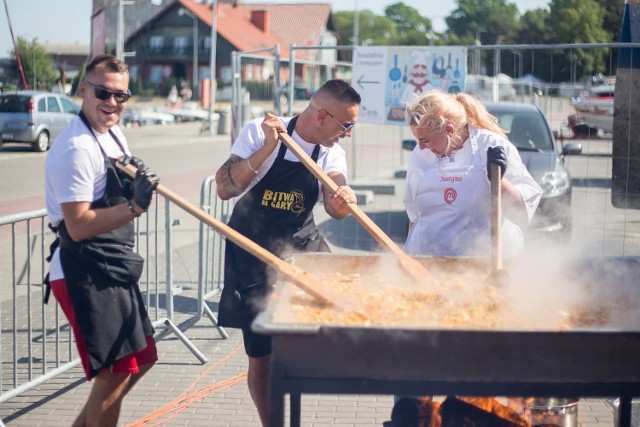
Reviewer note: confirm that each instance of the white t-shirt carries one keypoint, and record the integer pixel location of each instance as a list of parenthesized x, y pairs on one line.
[(251, 139), (75, 171)]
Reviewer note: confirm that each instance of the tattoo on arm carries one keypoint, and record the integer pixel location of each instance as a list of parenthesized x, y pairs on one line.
[(229, 184)]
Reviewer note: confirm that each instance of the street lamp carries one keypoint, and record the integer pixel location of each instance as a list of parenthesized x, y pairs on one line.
[(477, 52), (356, 24), (497, 59), (519, 54), (212, 62), (431, 36), (182, 11)]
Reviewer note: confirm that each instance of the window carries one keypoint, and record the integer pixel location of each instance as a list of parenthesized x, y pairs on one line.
[(180, 44), (156, 43), (156, 74), (52, 104), (42, 105), (68, 106)]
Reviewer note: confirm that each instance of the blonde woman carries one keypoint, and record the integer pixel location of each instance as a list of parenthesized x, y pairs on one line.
[(448, 192)]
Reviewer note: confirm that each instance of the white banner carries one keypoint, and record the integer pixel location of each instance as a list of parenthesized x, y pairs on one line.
[(387, 77)]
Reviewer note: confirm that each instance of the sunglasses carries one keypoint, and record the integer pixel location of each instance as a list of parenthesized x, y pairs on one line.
[(345, 127), (104, 94)]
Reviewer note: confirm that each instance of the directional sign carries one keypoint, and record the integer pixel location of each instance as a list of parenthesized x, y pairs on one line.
[(387, 77)]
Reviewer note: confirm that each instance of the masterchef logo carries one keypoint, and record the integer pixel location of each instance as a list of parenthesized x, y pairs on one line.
[(293, 201), (450, 195)]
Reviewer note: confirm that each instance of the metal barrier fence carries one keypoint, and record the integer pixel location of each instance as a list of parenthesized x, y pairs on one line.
[(211, 249), (36, 343)]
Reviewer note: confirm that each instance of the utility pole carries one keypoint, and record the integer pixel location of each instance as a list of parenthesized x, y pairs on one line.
[(356, 24), (212, 62), (194, 85), (120, 53), (15, 48)]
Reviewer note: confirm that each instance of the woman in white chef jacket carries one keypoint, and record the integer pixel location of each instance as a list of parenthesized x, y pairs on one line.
[(448, 192)]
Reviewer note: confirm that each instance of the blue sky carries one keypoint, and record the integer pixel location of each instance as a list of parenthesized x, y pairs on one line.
[(68, 21)]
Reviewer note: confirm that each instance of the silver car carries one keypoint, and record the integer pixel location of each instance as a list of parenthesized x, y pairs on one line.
[(34, 117)]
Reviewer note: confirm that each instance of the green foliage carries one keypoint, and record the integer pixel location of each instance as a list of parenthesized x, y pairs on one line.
[(411, 27), (493, 18), (614, 10), (373, 30), (33, 55), (579, 21)]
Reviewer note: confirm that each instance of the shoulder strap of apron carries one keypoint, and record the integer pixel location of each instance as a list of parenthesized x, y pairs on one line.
[(113, 135), (290, 128)]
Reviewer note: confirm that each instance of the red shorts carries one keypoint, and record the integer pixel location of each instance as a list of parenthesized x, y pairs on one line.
[(127, 365)]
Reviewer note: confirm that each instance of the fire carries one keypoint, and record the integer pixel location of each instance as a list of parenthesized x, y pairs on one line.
[(454, 411)]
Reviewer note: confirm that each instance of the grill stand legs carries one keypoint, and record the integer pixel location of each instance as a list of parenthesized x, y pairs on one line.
[(276, 401), (276, 397), (624, 412)]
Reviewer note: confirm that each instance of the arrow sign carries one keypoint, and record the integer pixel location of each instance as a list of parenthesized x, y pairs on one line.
[(361, 82)]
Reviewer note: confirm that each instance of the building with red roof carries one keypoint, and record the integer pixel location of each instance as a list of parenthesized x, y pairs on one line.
[(161, 50)]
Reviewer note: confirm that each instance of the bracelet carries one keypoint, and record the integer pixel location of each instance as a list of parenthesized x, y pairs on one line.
[(133, 211), (255, 172)]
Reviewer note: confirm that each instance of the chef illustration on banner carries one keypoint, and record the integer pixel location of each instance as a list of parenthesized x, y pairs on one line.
[(424, 70), (418, 77)]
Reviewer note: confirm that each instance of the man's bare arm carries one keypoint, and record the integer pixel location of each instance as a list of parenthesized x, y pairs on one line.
[(233, 177)]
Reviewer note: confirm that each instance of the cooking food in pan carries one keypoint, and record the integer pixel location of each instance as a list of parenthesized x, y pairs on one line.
[(461, 298)]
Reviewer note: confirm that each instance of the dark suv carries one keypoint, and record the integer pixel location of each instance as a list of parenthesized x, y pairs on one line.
[(34, 117)]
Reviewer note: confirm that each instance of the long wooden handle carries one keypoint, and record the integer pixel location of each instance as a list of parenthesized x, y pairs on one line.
[(301, 278), (412, 266), (496, 218)]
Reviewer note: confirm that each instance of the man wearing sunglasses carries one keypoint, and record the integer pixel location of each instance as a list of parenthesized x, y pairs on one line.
[(94, 271), (276, 195)]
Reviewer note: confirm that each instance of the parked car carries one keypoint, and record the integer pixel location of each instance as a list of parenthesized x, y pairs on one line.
[(300, 91), (529, 131), (34, 117)]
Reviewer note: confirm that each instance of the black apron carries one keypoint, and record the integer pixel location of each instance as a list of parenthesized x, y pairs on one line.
[(102, 276), (277, 213)]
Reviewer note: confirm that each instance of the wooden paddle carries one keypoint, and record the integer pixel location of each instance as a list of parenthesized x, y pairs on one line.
[(410, 265), (299, 277), (499, 275)]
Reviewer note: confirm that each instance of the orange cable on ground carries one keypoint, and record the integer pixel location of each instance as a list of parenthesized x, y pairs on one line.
[(185, 399)]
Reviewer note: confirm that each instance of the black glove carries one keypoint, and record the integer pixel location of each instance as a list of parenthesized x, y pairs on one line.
[(496, 156), (133, 160), (144, 184)]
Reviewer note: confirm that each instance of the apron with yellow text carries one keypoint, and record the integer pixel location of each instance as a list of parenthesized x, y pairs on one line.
[(277, 214)]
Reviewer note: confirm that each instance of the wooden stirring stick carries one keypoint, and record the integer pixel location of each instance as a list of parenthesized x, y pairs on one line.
[(410, 265), (499, 275), (299, 277)]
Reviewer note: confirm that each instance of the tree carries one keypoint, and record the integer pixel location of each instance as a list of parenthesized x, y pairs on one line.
[(493, 17), (614, 10), (372, 29), (411, 27), (579, 21), (36, 63), (534, 29), (494, 20)]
